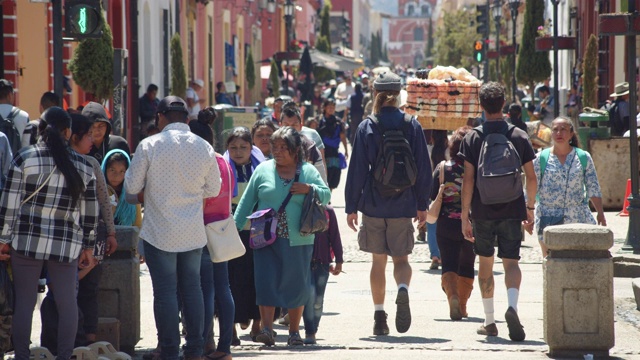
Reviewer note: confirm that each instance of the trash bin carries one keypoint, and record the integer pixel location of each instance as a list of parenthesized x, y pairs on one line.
[(229, 117), (596, 126)]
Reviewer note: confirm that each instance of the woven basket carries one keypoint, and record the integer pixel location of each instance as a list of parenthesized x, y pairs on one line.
[(441, 123)]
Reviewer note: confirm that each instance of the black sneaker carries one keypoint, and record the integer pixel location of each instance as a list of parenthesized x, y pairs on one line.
[(380, 326), (403, 312), (516, 330)]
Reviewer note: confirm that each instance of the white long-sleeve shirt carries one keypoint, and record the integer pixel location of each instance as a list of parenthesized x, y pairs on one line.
[(177, 170)]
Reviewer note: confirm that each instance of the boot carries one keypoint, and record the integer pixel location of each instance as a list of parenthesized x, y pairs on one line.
[(465, 286), (450, 286)]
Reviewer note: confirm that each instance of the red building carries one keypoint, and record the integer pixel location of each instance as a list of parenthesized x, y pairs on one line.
[(408, 32)]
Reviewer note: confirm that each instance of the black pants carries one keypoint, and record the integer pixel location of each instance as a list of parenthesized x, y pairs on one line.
[(456, 253), (49, 319), (88, 299)]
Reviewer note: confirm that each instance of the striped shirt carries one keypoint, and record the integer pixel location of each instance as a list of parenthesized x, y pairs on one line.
[(48, 226)]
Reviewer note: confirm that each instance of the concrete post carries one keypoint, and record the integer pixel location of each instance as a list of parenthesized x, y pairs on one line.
[(578, 290), (119, 293)]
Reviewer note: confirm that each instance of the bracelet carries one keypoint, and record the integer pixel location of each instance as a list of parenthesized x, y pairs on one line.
[(531, 208)]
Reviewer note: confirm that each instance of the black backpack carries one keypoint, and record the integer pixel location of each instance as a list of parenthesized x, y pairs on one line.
[(499, 176), (395, 169), (8, 127)]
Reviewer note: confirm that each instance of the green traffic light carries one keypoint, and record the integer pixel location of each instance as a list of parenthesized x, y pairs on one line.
[(82, 20), (479, 57)]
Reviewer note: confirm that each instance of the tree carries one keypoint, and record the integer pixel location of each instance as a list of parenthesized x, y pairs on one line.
[(428, 51), (250, 70), (454, 45), (590, 74), (306, 68), (274, 79), (92, 64), (178, 75), (325, 18), (375, 50), (533, 66), (320, 73)]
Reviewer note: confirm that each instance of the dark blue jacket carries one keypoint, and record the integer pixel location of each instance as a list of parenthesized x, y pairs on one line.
[(360, 195)]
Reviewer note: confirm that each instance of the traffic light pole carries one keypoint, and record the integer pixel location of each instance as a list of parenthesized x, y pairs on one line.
[(486, 37), (57, 47)]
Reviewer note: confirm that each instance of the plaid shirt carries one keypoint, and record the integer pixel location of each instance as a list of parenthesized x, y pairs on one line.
[(47, 227)]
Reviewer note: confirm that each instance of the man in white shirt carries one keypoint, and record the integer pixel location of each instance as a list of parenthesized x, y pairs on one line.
[(193, 100), (343, 91), (177, 170), (18, 117)]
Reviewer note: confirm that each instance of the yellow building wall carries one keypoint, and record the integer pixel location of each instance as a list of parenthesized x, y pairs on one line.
[(33, 55)]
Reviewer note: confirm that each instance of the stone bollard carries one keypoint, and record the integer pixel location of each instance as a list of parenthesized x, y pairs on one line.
[(119, 293), (578, 290)]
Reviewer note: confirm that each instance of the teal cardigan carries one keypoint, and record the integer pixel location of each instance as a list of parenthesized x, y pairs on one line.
[(266, 189)]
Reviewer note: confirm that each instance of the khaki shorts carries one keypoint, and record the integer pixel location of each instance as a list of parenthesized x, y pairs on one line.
[(392, 237)]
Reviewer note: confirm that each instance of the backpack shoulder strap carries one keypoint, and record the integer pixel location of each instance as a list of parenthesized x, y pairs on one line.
[(582, 156), (14, 112), (544, 158)]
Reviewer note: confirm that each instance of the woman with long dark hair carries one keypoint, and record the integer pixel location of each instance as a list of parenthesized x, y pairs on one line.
[(48, 214), (332, 131), (458, 257)]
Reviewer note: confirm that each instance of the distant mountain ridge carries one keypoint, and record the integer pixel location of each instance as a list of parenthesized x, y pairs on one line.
[(385, 6)]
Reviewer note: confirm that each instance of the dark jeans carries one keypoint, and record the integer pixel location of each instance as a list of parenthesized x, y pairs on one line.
[(214, 278), (170, 271), (313, 309), (456, 253)]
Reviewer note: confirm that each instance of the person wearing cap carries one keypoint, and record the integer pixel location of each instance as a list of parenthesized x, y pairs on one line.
[(544, 110), (18, 117), (176, 170), (330, 92), (619, 111), (193, 100), (364, 80), (103, 141), (386, 228)]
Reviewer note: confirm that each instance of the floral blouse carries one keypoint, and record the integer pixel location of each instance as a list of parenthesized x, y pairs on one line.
[(558, 196)]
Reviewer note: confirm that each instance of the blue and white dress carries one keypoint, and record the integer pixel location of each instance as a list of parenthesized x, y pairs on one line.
[(557, 196)]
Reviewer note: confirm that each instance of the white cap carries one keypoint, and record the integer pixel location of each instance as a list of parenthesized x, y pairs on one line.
[(333, 82), (364, 76), (199, 82)]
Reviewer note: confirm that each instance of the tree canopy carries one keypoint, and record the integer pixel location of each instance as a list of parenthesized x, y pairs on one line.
[(178, 74), (533, 66), (454, 40)]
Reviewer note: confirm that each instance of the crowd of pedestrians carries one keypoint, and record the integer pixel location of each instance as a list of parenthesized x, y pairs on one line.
[(70, 181)]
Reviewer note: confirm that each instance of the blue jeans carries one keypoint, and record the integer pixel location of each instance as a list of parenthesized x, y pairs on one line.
[(214, 278), (432, 240), (170, 271), (313, 309)]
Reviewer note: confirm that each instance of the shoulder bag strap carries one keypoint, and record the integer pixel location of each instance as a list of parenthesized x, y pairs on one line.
[(40, 187), (544, 158), (442, 172), (582, 156), (289, 195)]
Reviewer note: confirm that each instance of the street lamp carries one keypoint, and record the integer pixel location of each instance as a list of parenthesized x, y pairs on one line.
[(556, 89), (289, 8), (515, 4), (497, 15)]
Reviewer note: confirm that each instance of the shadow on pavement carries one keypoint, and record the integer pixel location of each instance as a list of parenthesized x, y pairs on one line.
[(466, 320), (506, 341), (404, 340)]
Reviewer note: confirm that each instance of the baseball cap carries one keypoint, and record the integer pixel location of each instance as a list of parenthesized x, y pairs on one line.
[(95, 112), (364, 76), (333, 82), (172, 103), (387, 81), (4, 83), (199, 82)]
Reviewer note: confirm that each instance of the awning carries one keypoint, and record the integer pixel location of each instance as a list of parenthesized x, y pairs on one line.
[(334, 62)]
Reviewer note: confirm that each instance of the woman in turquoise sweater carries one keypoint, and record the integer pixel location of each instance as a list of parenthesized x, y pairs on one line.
[(282, 269)]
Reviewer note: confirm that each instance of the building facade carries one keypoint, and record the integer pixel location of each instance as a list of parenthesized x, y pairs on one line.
[(408, 32)]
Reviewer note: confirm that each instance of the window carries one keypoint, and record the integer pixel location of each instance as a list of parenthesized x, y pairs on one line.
[(426, 10), (418, 34)]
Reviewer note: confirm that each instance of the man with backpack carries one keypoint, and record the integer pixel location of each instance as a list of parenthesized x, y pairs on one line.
[(493, 198), (619, 110), (13, 121), (388, 181)]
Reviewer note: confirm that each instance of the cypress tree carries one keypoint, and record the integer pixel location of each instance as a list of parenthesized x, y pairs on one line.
[(250, 70), (178, 74), (533, 66), (274, 79), (590, 74)]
